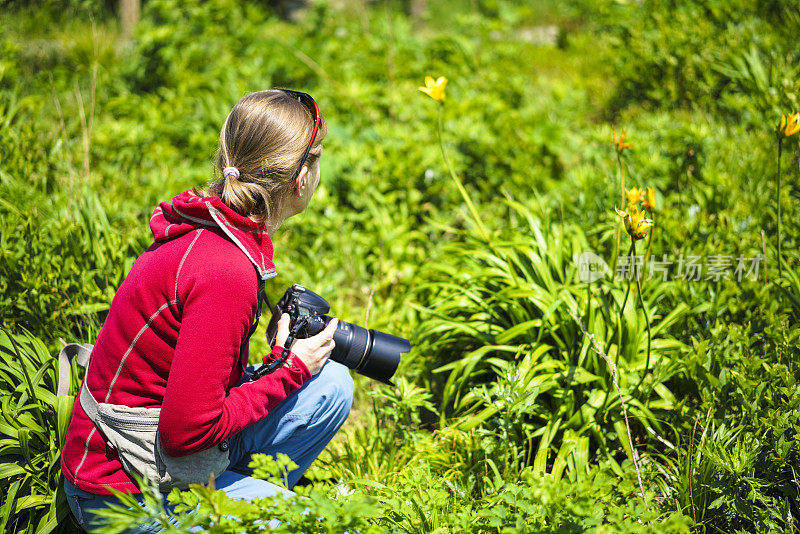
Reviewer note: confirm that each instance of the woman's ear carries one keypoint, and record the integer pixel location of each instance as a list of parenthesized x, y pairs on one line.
[(300, 181)]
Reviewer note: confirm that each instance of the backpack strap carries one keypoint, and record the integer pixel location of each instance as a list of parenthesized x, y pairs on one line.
[(81, 353)]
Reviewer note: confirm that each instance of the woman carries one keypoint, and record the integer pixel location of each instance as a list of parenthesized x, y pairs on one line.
[(177, 330)]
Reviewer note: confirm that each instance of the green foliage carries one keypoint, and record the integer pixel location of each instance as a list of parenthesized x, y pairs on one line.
[(739, 56), (505, 417), (738, 469), (34, 424), (64, 286), (415, 501), (498, 322)]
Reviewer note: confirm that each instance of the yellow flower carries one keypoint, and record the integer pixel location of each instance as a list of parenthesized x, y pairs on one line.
[(639, 225), (789, 125), (434, 88), (635, 223), (649, 199), (634, 195), (619, 144)]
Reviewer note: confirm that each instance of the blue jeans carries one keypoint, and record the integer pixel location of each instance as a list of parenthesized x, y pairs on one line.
[(300, 426)]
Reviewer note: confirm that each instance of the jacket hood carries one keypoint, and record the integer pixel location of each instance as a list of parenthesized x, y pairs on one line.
[(188, 212)]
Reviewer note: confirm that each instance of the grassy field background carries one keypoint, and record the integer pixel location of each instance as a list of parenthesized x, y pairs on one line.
[(510, 412)]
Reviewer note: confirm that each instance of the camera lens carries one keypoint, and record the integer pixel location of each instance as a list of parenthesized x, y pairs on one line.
[(370, 352), (352, 343), (384, 356)]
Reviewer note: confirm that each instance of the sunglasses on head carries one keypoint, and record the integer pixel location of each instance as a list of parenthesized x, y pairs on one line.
[(306, 100)]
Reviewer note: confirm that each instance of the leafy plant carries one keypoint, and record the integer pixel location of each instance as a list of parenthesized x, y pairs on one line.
[(34, 424), (500, 330), (505, 417)]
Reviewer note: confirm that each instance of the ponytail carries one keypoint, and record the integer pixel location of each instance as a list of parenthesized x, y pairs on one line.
[(260, 144)]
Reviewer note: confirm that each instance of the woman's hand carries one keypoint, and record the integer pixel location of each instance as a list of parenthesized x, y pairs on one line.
[(313, 351)]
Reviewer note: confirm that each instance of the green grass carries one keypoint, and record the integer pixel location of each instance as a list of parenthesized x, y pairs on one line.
[(505, 418)]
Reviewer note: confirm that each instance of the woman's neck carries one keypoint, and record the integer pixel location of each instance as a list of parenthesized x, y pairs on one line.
[(275, 221), (272, 226)]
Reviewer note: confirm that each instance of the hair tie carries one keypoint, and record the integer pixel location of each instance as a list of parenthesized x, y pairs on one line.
[(230, 171)]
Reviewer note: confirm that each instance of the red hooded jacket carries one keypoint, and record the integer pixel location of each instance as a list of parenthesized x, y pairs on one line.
[(175, 337)]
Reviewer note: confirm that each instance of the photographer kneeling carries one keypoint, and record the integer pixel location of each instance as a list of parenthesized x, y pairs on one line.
[(166, 395)]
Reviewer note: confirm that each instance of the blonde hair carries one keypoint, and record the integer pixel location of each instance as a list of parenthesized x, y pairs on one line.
[(264, 137)]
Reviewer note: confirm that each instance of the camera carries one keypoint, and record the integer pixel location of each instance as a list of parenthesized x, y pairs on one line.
[(370, 352)]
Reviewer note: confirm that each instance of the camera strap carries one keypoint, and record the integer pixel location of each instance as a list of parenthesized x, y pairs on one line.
[(262, 297), (272, 365)]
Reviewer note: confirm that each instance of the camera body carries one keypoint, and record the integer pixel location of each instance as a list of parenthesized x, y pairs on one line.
[(370, 352)]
